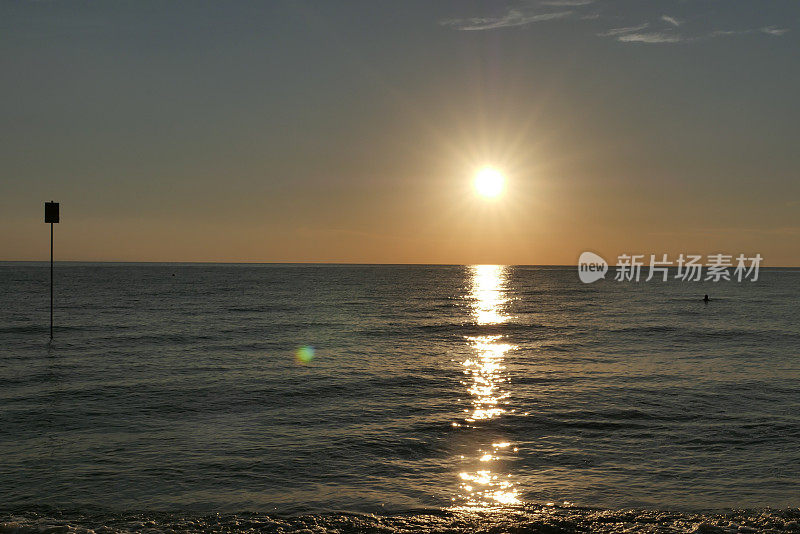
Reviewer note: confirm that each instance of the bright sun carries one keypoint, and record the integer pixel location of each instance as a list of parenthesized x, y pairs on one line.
[(489, 182)]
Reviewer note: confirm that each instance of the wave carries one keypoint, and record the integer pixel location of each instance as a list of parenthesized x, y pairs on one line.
[(528, 518), (684, 333), (42, 328)]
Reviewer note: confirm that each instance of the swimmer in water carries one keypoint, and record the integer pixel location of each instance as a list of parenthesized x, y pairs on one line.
[(706, 299)]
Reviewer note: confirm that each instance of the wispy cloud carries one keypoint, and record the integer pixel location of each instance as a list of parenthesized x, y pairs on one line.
[(624, 30), (634, 34), (660, 29), (772, 30), (768, 30), (512, 18), (652, 38), (671, 20), (670, 33), (567, 3)]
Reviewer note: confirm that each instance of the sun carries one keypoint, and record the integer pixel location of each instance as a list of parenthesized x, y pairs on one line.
[(489, 182)]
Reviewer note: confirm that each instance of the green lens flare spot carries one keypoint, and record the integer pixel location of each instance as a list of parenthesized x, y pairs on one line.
[(304, 354)]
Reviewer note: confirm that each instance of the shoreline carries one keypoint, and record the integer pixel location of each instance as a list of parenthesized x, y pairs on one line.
[(524, 518)]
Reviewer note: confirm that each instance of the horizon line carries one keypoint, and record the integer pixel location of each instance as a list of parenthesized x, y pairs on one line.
[(411, 264)]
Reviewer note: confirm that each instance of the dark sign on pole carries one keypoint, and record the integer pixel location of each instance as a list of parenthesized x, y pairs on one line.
[(51, 212)]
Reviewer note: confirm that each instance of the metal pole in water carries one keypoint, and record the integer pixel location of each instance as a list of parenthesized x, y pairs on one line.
[(51, 280), (51, 216)]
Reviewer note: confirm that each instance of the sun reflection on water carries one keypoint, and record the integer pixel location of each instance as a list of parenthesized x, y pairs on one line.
[(486, 377), (488, 294), (483, 484)]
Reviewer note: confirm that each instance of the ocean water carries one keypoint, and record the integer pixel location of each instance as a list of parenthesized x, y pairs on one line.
[(395, 398)]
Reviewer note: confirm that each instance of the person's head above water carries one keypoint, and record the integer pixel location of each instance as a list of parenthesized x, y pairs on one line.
[(706, 298)]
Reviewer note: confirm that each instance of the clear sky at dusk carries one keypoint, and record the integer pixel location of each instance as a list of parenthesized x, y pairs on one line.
[(352, 131)]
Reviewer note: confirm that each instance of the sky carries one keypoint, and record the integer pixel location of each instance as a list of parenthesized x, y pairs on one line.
[(318, 131)]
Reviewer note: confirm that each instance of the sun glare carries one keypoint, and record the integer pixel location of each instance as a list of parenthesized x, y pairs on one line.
[(489, 182)]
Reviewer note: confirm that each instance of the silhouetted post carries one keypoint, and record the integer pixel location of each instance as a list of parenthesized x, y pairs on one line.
[(51, 216)]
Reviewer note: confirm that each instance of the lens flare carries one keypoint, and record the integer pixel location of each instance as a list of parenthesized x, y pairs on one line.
[(304, 354)]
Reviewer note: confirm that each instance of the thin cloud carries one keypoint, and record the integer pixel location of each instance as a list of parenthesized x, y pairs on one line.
[(772, 30), (512, 18), (651, 37), (622, 31), (725, 33), (768, 30), (663, 29), (634, 34), (567, 3)]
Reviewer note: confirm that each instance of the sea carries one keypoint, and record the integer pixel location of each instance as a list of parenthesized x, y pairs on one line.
[(395, 398)]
